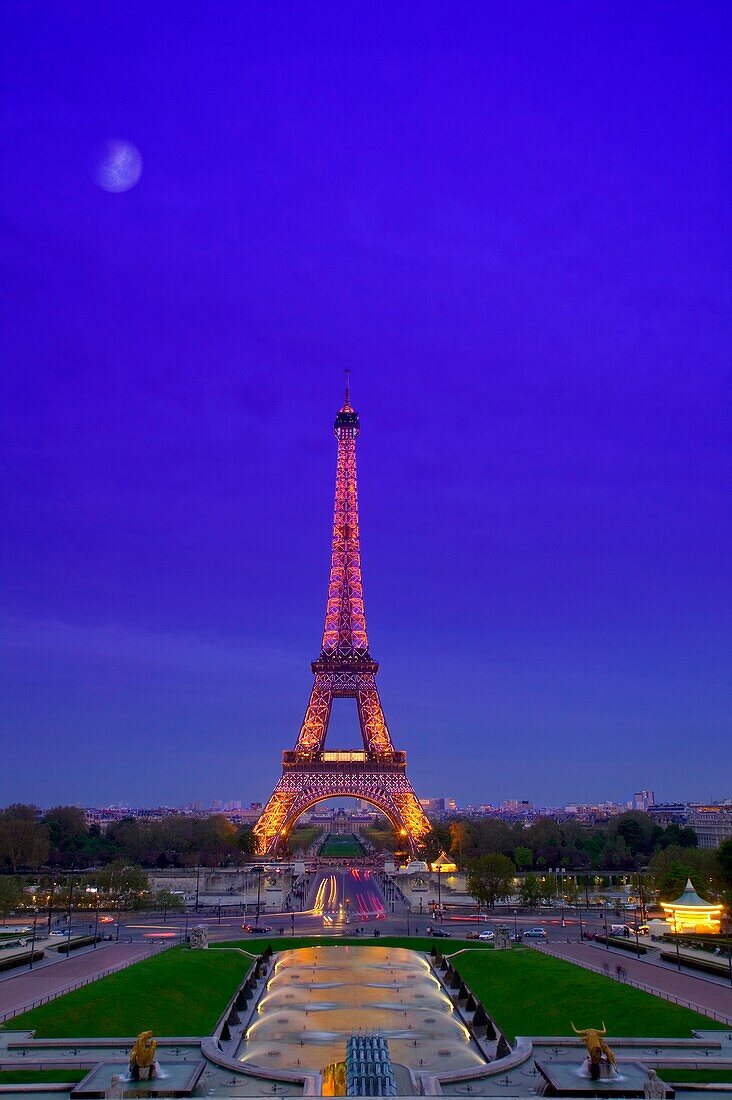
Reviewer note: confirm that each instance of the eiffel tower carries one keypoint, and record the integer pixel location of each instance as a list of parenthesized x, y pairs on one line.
[(344, 670)]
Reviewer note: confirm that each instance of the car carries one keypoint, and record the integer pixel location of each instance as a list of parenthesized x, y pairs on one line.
[(440, 933), (486, 934), (535, 934), (256, 928), (60, 932)]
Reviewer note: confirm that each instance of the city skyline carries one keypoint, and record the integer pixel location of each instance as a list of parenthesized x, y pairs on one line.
[(516, 240)]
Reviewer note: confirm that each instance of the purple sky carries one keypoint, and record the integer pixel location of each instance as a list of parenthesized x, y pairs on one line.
[(512, 223)]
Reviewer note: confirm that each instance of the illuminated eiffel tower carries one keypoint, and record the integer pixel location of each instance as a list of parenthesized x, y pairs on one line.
[(344, 670)]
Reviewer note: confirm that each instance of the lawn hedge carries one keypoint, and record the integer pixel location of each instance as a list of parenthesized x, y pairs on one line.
[(83, 941), (20, 960), (710, 966), (623, 944)]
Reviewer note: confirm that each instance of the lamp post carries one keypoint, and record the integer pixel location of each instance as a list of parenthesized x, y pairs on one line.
[(259, 872), (33, 942), (68, 916), (198, 880), (635, 921), (96, 921), (641, 896), (604, 914), (676, 937), (50, 905)]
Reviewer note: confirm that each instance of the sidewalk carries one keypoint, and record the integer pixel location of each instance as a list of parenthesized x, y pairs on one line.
[(33, 985), (670, 983)]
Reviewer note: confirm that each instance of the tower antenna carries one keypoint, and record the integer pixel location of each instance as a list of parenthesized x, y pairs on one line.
[(348, 387)]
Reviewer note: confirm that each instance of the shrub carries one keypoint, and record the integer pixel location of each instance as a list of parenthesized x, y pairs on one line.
[(621, 942), (82, 941), (20, 960)]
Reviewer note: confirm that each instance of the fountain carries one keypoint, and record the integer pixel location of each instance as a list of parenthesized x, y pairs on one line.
[(142, 1076), (319, 997)]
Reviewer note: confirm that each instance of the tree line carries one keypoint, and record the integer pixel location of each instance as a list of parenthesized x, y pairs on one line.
[(62, 838), (546, 852)]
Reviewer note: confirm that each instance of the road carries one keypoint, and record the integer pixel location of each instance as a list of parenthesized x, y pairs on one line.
[(347, 896), (340, 899)]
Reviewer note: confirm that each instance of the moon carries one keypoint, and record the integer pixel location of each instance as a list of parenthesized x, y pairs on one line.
[(117, 166)]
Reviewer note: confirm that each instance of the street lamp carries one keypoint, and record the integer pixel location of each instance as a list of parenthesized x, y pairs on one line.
[(259, 871), (68, 916), (33, 942), (50, 905), (604, 913)]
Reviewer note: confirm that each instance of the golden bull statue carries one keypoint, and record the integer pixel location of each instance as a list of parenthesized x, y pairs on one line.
[(142, 1056), (598, 1052)]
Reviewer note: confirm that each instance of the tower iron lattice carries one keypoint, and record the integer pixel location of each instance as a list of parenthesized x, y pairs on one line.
[(344, 670)]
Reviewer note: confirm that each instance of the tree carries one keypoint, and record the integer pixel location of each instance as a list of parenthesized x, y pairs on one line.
[(459, 835), (530, 891), (11, 893), (724, 861), (490, 878), (671, 867), (437, 840), (246, 840), (23, 840), (168, 902), (523, 858), (126, 883)]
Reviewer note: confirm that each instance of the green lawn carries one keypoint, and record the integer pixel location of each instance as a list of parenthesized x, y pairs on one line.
[(528, 993), (346, 847), (695, 1076), (179, 992), (39, 1076)]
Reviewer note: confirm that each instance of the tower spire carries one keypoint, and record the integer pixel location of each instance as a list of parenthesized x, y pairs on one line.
[(348, 387)]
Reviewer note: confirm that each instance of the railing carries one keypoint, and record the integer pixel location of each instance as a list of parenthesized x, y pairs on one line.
[(79, 985), (720, 1017), (359, 762)]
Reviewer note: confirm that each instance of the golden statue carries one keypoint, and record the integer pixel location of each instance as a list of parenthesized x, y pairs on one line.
[(142, 1056), (598, 1052)]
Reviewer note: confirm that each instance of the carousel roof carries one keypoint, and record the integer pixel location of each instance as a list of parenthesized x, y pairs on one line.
[(689, 900), (443, 863)]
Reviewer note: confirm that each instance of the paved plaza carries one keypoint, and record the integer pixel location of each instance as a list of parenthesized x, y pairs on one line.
[(22, 990)]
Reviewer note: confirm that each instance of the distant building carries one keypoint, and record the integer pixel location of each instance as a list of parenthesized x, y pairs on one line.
[(712, 824), (436, 807), (666, 813), (643, 800)]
